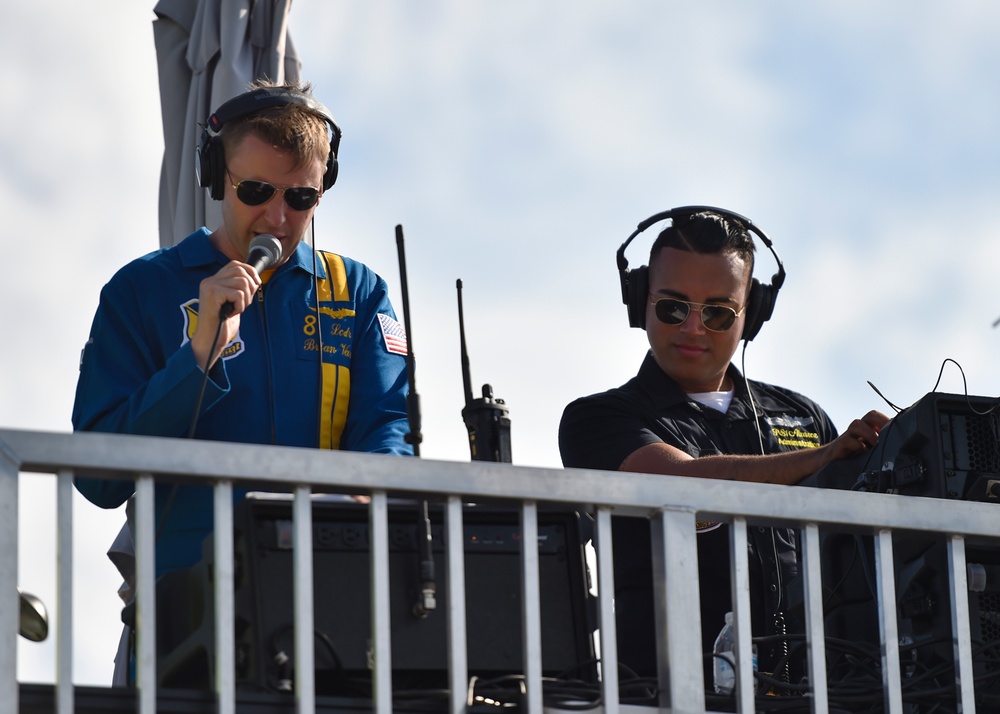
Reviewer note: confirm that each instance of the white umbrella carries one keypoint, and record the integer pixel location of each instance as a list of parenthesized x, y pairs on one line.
[(207, 51)]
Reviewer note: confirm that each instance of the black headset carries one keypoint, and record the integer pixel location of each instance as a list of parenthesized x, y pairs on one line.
[(635, 283), (211, 160)]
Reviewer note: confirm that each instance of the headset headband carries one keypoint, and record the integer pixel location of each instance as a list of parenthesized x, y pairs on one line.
[(776, 280), (211, 163), (243, 105), (635, 283)]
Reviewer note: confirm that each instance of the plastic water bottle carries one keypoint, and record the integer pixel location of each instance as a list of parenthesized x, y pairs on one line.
[(724, 675), (725, 644)]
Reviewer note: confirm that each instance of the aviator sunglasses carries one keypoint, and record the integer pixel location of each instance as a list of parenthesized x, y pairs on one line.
[(255, 193), (717, 318)]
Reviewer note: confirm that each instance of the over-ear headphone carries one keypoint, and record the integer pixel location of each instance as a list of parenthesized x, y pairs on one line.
[(635, 283), (211, 160)]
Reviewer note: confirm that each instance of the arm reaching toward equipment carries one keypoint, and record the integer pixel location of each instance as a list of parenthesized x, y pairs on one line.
[(785, 468)]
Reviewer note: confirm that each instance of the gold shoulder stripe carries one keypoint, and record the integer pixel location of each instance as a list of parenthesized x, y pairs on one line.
[(337, 275), (336, 387)]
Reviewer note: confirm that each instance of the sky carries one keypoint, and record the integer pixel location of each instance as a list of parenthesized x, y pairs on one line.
[(519, 144)]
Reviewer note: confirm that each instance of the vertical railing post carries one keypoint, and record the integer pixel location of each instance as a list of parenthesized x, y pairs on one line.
[(606, 611), (10, 605), (815, 630), (531, 605), (145, 596), (740, 598), (378, 526), (64, 591), (675, 589), (458, 658), (964, 674), (225, 635), (302, 574), (886, 575)]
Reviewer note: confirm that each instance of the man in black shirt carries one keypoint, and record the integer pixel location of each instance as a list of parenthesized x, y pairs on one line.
[(689, 412)]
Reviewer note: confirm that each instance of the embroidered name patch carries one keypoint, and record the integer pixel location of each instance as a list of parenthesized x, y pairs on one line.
[(794, 432)]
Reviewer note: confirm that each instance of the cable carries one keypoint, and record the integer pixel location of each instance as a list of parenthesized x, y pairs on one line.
[(778, 616), (319, 332), (201, 390), (753, 405), (884, 398), (965, 390)]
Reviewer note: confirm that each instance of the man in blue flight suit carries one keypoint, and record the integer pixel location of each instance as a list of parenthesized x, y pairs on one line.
[(191, 341)]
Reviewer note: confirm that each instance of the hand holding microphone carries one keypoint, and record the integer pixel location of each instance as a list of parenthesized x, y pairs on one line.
[(265, 251), (211, 335)]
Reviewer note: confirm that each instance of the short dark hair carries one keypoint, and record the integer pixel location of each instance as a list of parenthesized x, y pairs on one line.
[(291, 128), (708, 233)]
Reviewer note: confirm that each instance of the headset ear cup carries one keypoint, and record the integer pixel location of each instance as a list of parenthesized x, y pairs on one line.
[(212, 166), (217, 159), (332, 169), (638, 291), (204, 167), (760, 305)]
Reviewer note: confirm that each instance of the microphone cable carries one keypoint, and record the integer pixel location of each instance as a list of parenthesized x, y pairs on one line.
[(204, 380), (319, 332), (168, 506), (753, 404), (778, 618)]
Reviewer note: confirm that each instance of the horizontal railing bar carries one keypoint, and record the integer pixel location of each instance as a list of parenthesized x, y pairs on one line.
[(115, 455)]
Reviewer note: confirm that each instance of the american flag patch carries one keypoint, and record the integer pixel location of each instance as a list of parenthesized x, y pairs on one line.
[(394, 334)]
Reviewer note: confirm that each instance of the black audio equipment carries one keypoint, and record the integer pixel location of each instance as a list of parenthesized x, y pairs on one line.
[(342, 597), (635, 282), (42, 699), (944, 446), (211, 159)]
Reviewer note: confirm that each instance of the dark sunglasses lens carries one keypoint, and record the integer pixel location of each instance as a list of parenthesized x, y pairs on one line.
[(301, 198), (671, 312), (718, 318), (254, 193)]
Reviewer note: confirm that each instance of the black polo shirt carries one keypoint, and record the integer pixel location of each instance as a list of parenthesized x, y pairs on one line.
[(601, 430)]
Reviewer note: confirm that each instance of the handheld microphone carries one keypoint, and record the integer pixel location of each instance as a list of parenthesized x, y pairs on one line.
[(265, 251)]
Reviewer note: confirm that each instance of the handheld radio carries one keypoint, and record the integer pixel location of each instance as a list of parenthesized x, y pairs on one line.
[(486, 418)]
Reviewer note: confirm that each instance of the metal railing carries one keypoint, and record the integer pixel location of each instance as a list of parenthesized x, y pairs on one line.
[(672, 504)]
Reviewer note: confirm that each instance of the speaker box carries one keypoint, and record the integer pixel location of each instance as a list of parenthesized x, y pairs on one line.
[(342, 594)]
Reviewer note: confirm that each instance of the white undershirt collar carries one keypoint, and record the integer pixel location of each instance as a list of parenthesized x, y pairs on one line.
[(714, 400)]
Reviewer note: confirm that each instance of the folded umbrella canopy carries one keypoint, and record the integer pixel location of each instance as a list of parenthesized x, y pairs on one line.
[(208, 51)]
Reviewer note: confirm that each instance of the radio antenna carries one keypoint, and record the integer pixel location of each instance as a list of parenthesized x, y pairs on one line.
[(466, 378), (426, 599), (414, 437)]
